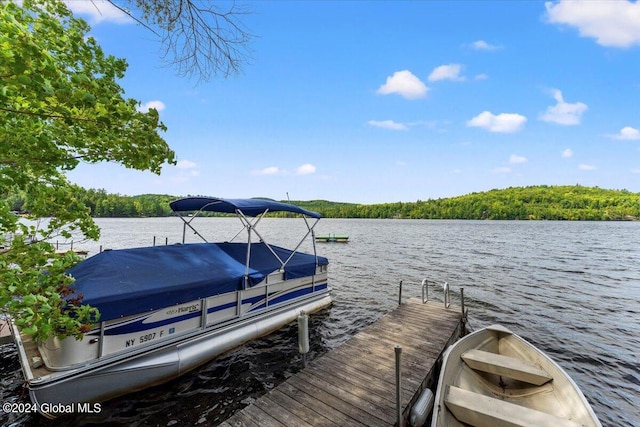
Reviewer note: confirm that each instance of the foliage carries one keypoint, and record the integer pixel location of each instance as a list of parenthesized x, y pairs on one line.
[(103, 204), (524, 203), (47, 305), (60, 104)]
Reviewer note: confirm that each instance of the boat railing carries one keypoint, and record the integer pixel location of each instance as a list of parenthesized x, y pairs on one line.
[(249, 225)]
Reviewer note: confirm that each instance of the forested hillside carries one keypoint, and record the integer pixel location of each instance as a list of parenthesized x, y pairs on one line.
[(524, 203)]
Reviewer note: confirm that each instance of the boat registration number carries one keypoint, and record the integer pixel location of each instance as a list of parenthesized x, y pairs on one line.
[(144, 338), (147, 337)]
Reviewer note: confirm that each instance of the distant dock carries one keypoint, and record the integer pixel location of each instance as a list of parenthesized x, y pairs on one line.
[(332, 238), (5, 331), (355, 384)]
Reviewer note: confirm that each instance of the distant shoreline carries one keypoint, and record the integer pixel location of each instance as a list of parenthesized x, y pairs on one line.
[(562, 203)]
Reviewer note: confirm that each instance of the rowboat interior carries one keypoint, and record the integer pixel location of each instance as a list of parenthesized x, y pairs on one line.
[(495, 378)]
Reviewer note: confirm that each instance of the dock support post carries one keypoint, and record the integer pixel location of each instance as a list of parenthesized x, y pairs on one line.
[(303, 336), (398, 350), (400, 294), (463, 317)]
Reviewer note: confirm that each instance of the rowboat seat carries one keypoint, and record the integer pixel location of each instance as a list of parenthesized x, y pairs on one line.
[(506, 366), (483, 411)]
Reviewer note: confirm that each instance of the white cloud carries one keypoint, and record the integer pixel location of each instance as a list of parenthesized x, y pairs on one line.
[(481, 76), (98, 11), (387, 124), (514, 159), (186, 170), (483, 45), (627, 133), (306, 169), (186, 164), (563, 113), (405, 84), (271, 170), (614, 23), (183, 178), (567, 153), (504, 123), (585, 167), (158, 105), (635, 171), (502, 169), (446, 72)]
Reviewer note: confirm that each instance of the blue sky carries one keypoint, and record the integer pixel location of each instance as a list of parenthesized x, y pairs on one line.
[(373, 102)]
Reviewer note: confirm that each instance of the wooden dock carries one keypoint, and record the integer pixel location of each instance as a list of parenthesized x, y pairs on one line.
[(5, 331), (355, 384)]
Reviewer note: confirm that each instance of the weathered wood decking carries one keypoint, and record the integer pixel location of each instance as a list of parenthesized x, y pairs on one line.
[(5, 331), (354, 384)]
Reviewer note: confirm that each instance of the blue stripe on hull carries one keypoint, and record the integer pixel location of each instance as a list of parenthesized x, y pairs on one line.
[(139, 325), (282, 298)]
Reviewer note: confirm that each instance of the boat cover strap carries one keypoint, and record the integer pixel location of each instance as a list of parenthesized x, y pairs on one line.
[(479, 410), (125, 282)]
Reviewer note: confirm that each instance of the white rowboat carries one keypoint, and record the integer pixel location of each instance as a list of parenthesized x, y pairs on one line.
[(494, 378)]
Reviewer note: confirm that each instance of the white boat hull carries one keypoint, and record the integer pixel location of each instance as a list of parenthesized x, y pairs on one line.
[(164, 310), (493, 377), (101, 382)]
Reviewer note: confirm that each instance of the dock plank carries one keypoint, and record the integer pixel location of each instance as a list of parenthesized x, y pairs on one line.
[(315, 406), (358, 378), (374, 372), (324, 396), (354, 384), (280, 413), (346, 393), (298, 408), (260, 417), (368, 361), (360, 390), (241, 419)]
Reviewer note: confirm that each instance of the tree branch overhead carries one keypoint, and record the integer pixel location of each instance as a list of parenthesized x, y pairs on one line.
[(201, 39)]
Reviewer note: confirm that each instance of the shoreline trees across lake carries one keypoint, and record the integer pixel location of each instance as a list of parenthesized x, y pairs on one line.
[(514, 203)]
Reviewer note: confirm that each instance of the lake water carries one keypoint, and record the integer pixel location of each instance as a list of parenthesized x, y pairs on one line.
[(571, 288)]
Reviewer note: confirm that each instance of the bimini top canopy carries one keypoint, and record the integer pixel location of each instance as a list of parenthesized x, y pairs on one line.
[(249, 207)]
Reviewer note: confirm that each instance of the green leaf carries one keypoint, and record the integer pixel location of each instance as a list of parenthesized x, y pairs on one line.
[(61, 103), (29, 300)]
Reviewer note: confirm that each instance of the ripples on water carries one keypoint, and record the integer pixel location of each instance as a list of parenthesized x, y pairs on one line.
[(571, 288)]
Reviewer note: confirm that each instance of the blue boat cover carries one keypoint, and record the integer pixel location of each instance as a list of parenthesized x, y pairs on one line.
[(249, 207), (124, 282)]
